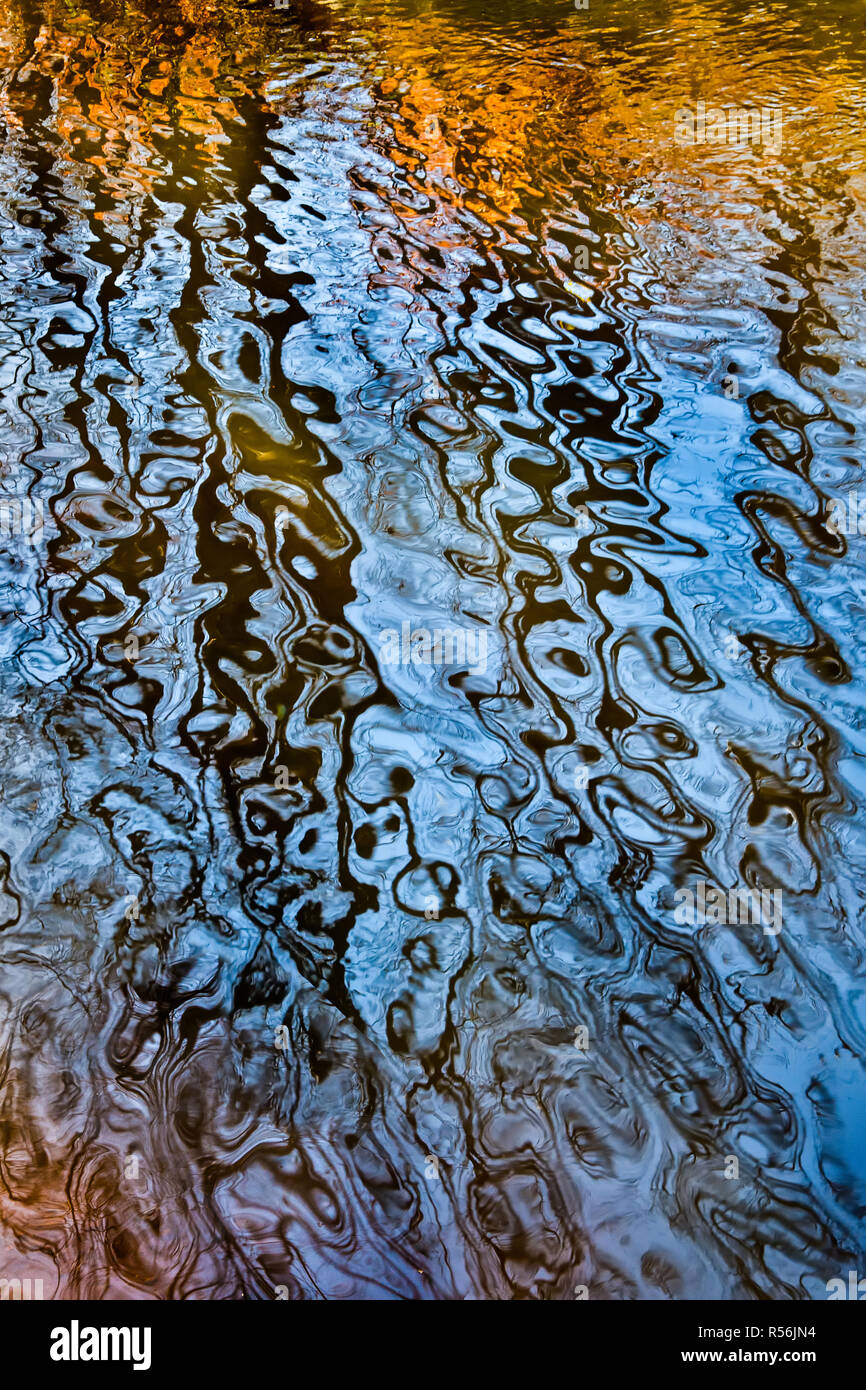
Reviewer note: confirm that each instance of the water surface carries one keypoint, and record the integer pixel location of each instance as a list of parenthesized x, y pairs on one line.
[(322, 320)]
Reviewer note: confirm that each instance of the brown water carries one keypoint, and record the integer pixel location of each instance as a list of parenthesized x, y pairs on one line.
[(323, 320)]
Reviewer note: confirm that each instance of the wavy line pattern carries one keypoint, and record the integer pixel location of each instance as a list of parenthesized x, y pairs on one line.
[(330, 977)]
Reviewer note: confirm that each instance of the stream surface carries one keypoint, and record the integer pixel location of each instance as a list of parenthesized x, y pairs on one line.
[(440, 581)]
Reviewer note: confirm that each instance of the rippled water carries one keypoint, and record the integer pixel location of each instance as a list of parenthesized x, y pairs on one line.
[(323, 320)]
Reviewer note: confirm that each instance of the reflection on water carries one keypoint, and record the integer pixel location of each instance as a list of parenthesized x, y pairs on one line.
[(438, 589)]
